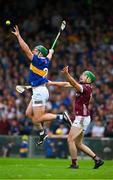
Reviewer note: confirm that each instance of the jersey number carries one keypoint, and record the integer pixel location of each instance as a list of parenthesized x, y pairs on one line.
[(46, 72)]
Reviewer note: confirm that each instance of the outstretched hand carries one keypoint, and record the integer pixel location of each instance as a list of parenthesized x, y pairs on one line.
[(16, 31), (65, 70)]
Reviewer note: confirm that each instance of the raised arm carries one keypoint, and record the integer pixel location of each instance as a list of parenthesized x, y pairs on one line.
[(60, 84), (22, 43), (71, 80)]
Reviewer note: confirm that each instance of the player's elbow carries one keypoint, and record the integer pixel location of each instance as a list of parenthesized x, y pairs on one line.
[(27, 52), (29, 56), (78, 87)]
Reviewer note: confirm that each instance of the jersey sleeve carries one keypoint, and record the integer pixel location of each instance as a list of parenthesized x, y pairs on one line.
[(48, 61), (87, 88)]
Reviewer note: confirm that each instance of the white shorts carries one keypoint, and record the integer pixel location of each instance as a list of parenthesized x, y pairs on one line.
[(40, 96), (82, 121)]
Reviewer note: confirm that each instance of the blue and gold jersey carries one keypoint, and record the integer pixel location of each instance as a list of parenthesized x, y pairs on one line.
[(38, 70)]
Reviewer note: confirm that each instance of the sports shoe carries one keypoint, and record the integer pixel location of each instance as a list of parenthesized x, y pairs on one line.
[(40, 139), (74, 166), (98, 163), (67, 120)]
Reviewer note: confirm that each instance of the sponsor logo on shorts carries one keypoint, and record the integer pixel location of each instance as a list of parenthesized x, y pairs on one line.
[(38, 102)]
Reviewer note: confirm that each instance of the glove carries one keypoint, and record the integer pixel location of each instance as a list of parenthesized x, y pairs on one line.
[(51, 51)]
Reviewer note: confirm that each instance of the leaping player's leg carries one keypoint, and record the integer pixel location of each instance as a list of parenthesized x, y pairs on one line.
[(39, 98), (29, 113), (38, 111), (51, 117), (73, 134), (41, 132), (29, 110), (47, 117), (41, 116)]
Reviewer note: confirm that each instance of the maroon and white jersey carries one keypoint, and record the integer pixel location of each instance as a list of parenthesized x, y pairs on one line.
[(82, 100)]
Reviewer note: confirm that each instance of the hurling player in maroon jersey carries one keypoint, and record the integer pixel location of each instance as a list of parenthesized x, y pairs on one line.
[(83, 90)]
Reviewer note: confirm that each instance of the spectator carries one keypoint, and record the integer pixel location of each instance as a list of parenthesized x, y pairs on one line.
[(98, 129), (7, 149), (4, 126), (108, 132), (24, 147)]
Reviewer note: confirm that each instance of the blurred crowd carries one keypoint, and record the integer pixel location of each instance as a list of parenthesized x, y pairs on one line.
[(86, 44)]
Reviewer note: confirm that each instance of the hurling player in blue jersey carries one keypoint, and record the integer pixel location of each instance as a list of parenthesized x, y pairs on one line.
[(40, 59)]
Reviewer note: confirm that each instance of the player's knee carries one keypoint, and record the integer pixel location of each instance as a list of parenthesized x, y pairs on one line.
[(78, 145), (70, 139), (36, 119)]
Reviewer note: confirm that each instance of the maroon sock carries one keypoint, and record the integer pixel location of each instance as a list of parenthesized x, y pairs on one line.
[(74, 161)]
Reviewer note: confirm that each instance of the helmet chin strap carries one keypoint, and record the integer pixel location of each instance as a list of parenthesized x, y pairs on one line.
[(39, 54)]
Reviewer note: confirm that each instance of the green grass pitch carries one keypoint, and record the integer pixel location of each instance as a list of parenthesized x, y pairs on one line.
[(15, 168)]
